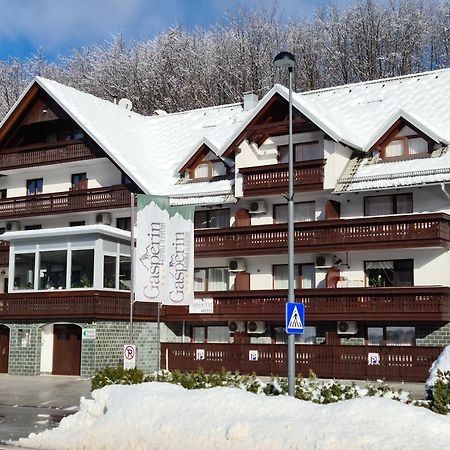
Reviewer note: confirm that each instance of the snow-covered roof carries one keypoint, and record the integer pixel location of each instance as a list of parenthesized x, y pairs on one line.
[(148, 149)]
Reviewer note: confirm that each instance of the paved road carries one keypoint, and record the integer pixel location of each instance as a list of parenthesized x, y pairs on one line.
[(33, 404)]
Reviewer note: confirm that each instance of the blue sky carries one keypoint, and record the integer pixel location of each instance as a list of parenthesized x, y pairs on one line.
[(58, 26)]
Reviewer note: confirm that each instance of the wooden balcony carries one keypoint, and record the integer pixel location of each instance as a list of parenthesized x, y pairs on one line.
[(4, 254), (327, 361), (65, 202), (400, 231), (273, 179), (366, 304), (37, 155), (81, 304)]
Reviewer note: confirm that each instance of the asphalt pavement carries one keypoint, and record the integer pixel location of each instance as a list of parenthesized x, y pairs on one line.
[(34, 404)]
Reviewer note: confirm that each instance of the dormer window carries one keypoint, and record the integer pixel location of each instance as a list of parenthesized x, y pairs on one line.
[(406, 143), (209, 167)]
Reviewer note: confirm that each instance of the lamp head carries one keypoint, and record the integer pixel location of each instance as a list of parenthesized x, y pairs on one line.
[(284, 60)]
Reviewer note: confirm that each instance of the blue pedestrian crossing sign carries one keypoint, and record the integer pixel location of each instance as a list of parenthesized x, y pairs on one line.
[(295, 318)]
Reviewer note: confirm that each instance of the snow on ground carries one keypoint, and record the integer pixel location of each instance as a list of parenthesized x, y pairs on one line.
[(166, 416), (442, 363)]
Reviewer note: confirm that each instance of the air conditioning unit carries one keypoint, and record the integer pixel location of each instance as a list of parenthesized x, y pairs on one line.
[(13, 226), (103, 218), (257, 207), (256, 327), (324, 261), (236, 326), (236, 265), (347, 327)]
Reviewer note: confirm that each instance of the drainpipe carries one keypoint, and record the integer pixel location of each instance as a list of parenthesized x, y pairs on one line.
[(445, 191)]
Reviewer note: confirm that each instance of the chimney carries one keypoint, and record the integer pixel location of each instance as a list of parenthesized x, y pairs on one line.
[(250, 100)]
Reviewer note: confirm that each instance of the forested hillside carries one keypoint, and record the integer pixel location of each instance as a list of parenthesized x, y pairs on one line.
[(182, 69)]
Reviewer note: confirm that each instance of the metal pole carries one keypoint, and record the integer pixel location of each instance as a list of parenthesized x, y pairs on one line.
[(132, 253), (291, 296), (158, 334)]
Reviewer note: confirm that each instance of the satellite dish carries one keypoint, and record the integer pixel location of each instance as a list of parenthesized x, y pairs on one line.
[(125, 103)]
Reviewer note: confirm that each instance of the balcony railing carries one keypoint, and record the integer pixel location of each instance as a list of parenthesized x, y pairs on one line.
[(4, 253), (419, 230), (273, 179), (368, 304), (47, 154), (327, 361), (65, 202), (89, 304)]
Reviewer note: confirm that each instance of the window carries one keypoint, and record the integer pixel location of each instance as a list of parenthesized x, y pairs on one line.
[(394, 273), (400, 336), (79, 181), (109, 272), (212, 218), (78, 135), (82, 274), (125, 272), (198, 335), (374, 336), (305, 151), (35, 186), (218, 334), (52, 269), (24, 271), (212, 279), (303, 212), (3, 193), (126, 179), (308, 337), (77, 223), (33, 227), (381, 205), (305, 276), (208, 168), (405, 143), (124, 223)]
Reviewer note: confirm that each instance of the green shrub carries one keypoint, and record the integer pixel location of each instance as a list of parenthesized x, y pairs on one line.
[(116, 375), (440, 402)]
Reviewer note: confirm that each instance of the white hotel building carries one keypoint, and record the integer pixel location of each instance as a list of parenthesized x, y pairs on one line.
[(372, 233)]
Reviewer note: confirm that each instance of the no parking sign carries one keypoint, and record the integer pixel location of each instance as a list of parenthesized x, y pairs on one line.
[(129, 356)]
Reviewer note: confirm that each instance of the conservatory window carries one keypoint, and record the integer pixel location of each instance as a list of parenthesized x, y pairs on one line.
[(109, 272), (24, 271), (52, 269), (82, 274)]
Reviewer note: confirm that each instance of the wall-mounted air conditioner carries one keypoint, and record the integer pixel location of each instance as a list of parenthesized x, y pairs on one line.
[(324, 261), (347, 327), (256, 327), (103, 218), (257, 207), (236, 326), (13, 226), (236, 265)]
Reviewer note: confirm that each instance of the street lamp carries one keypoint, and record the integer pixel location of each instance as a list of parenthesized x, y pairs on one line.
[(286, 60)]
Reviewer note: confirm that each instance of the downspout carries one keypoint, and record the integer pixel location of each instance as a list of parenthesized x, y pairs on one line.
[(445, 191)]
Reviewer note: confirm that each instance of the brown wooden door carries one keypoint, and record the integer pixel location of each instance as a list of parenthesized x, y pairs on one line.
[(242, 218), (66, 350), (4, 349), (242, 281)]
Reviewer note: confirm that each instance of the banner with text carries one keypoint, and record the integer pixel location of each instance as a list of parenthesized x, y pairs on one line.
[(164, 269)]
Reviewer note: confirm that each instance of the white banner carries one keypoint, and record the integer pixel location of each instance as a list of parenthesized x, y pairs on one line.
[(164, 269)]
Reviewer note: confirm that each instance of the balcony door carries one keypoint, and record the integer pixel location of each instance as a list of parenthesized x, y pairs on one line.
[(66, 349), (4, 349), (242, 218)]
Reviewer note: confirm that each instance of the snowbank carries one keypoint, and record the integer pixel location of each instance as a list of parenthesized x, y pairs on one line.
[(442, 363), (166, 416)]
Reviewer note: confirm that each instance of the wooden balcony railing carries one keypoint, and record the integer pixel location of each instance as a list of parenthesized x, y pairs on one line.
[(400, 231), (65, 202), (4, 254), (273, 179), (327, 361), (368, 304), (47, 154), (89, 304)]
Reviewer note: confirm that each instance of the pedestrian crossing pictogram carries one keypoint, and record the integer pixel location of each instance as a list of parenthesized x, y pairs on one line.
[(295, 317)]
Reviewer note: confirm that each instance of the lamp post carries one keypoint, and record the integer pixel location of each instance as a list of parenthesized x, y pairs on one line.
[(286, 60)]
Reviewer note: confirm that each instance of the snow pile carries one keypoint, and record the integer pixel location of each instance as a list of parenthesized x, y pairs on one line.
[(442, 363), (166, 416)]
